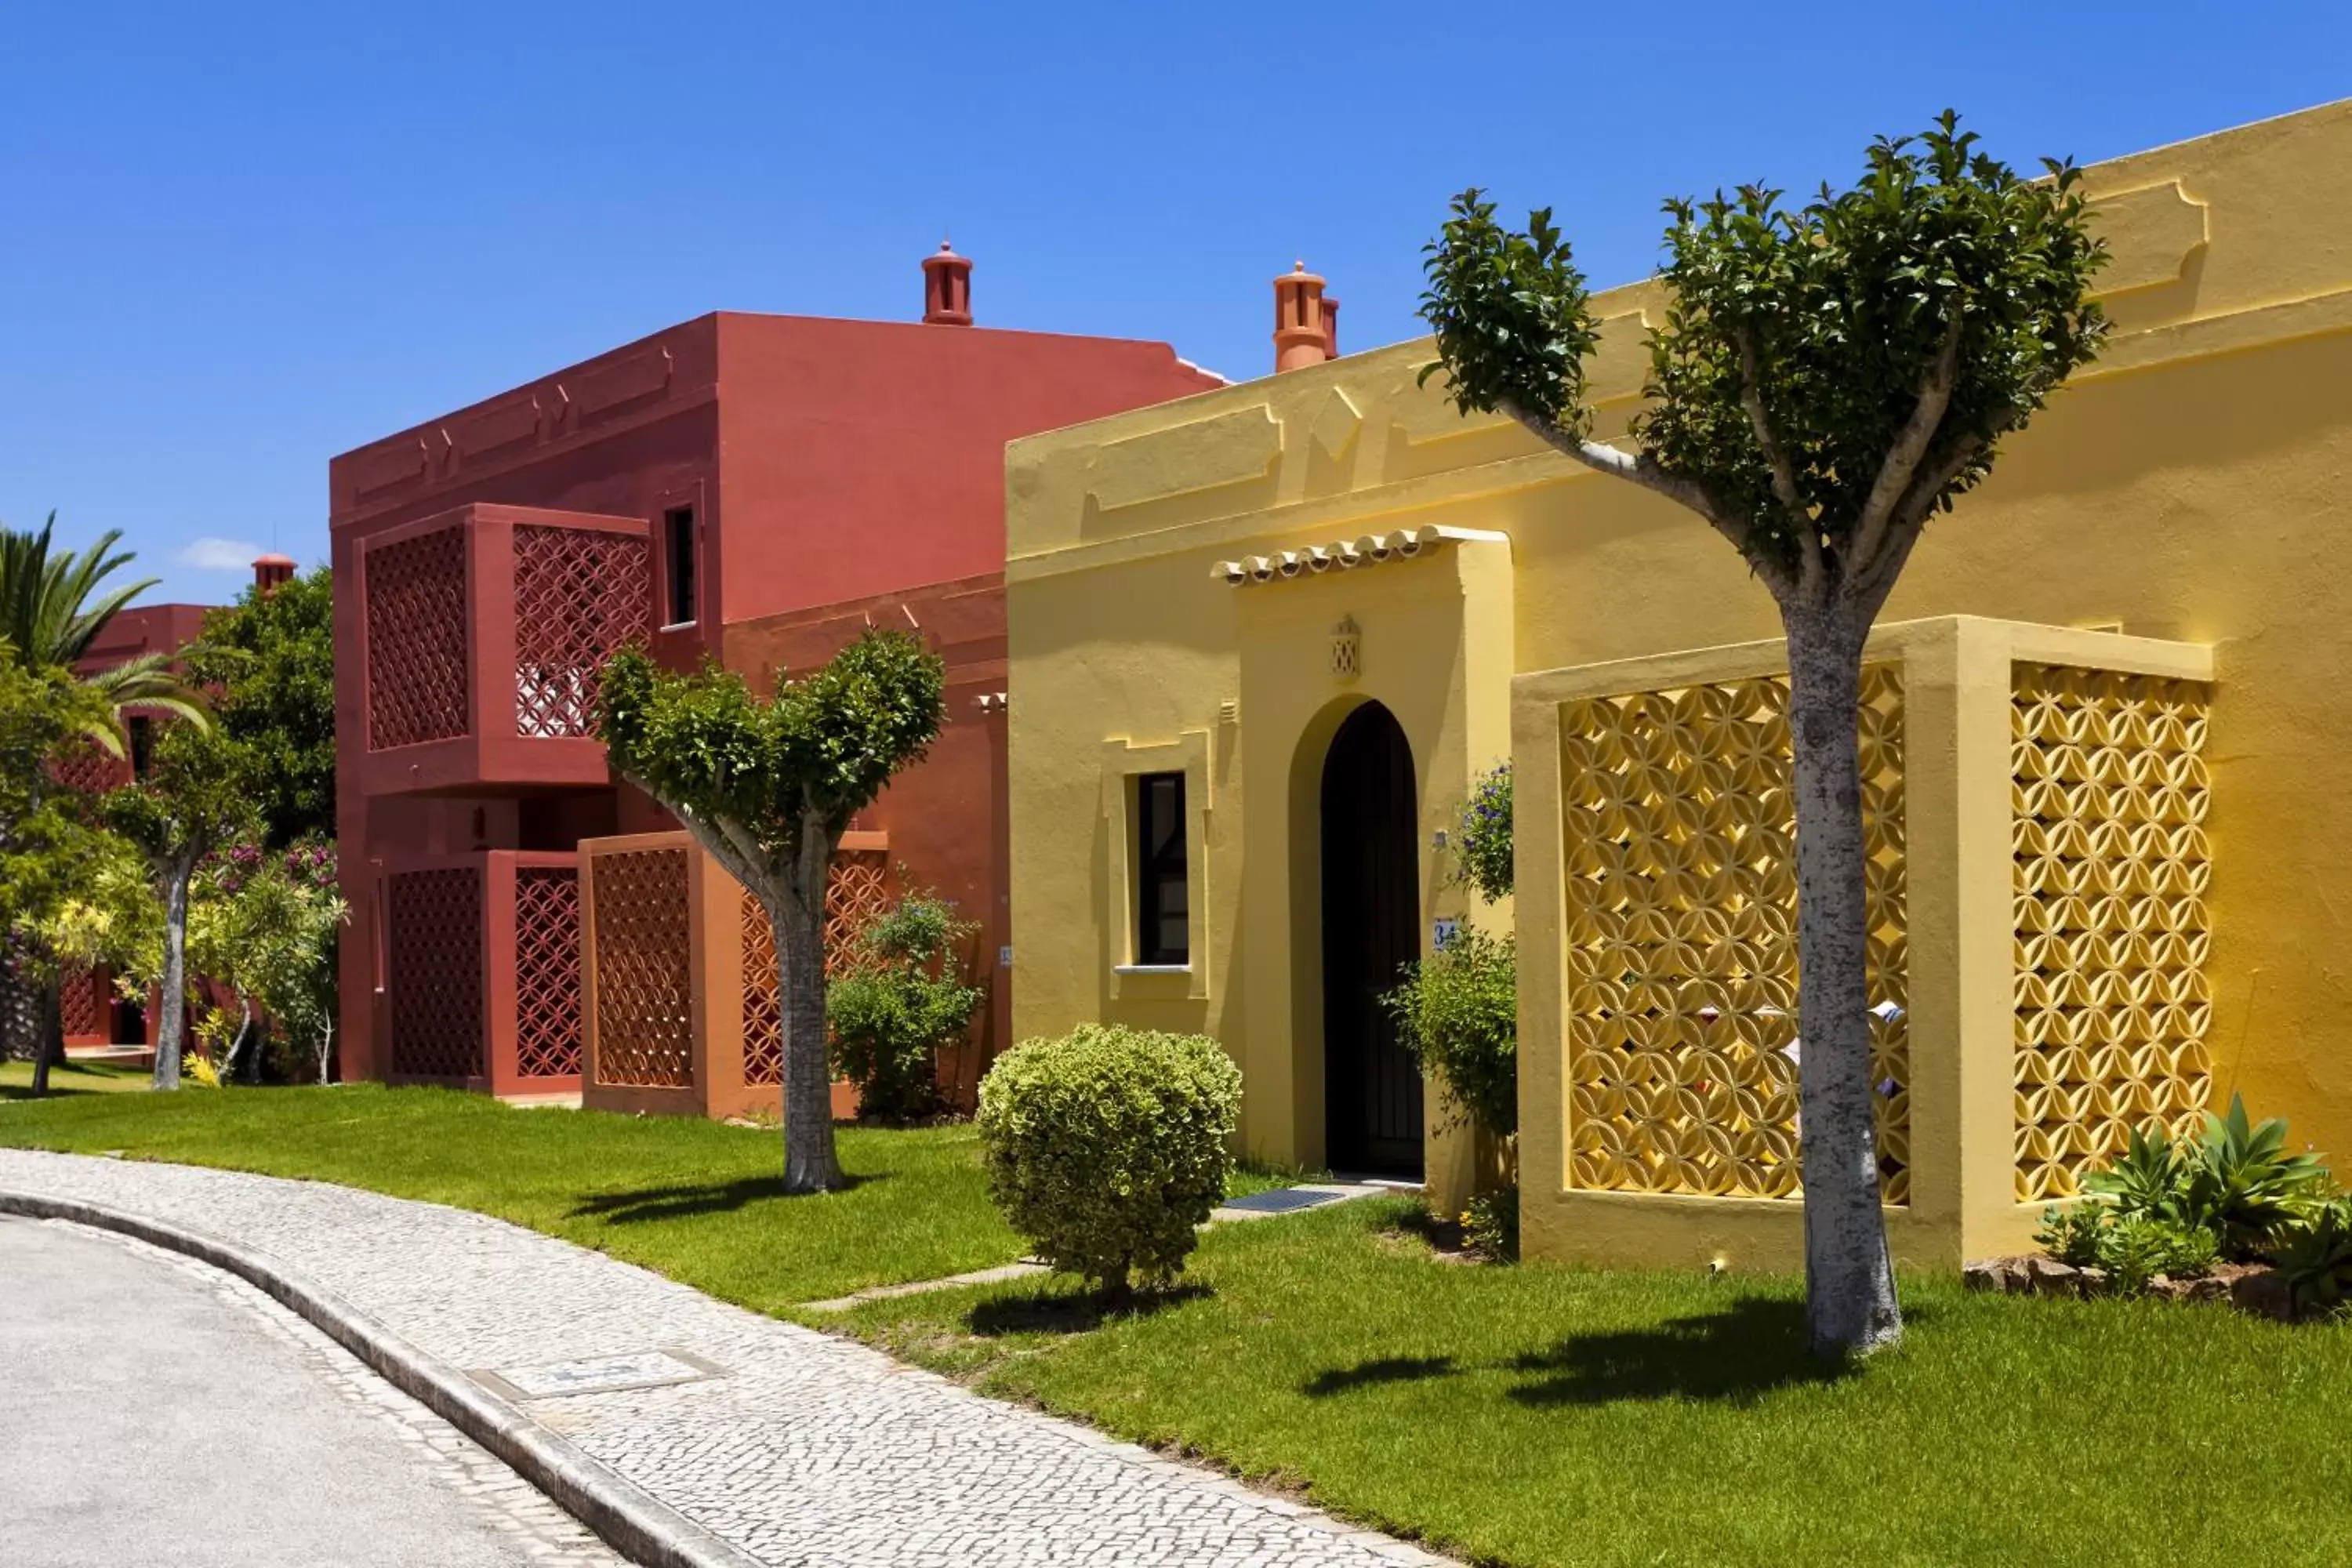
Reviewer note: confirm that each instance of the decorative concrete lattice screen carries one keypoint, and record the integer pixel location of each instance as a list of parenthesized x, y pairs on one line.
[(88, 767), (432, 950), (2112, 863), (858, 892), (644, 1025), (764, 1018), (547, 970), (81, 999), (580, 595), (1680, 937), (417, 664)]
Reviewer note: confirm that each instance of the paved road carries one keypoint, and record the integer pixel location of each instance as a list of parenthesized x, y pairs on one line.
[(153, 1411)]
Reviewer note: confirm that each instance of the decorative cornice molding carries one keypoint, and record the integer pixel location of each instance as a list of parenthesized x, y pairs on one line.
[(1345, 555)]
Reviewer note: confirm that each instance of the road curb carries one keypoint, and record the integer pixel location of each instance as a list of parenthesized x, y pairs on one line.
[(630, 1519)]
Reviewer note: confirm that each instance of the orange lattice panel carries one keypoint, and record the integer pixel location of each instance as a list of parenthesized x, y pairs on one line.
[(763, 1021), (858, 892), (644, 1025), (1680, 887)]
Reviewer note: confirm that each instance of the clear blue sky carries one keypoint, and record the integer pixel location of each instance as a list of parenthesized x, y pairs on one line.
[(239, 238)]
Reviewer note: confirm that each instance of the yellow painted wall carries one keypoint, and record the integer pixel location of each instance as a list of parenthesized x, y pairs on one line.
[(2191, 485)]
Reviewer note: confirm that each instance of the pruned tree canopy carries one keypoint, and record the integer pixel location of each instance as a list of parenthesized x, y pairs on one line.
[(1827, 378), (764, 773)]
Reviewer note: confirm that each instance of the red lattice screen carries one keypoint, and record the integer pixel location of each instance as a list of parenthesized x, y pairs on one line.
[(81, 997), (644, 1025), (87, 767), (433, 949), (416, 676), (858, 891), (547, 972), (580, 595)]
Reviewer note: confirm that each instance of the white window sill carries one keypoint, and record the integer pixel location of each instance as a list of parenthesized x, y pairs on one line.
[(1152, 969), (679, 625)]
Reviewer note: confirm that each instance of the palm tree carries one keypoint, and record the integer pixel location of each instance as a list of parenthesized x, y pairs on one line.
[(52, 611), (52, 608)]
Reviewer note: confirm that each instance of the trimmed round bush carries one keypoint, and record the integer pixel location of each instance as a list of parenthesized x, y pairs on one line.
[(1106, 1146)]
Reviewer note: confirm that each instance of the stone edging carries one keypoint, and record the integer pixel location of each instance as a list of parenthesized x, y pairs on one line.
[(631, 1519)]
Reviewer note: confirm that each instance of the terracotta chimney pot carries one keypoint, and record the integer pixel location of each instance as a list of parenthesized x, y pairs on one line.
[(1300, 336), (946, 288)]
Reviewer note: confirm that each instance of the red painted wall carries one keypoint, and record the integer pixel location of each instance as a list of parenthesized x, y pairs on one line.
[(946, 816), (882, 444), (836, 469)]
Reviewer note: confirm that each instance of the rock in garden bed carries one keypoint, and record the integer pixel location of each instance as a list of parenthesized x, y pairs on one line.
[(2253, 1287)]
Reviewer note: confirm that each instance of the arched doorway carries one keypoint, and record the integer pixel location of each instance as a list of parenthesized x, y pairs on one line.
[(1371, 903)]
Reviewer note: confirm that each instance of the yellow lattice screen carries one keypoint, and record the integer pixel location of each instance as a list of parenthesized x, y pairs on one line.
[(1680, 892), (2111, 865)]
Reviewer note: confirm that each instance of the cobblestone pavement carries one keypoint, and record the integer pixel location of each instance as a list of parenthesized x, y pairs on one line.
[(802, 1449)]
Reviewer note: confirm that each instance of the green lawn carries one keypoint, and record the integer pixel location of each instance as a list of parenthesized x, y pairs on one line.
[(699, 1200), (70, 1077), (1543, 1415)]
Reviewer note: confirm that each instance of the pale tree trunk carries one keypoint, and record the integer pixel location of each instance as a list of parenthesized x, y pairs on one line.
[(326, 1048), (798, 922), (172, 1000), (1850, 1306), (236, 1043)]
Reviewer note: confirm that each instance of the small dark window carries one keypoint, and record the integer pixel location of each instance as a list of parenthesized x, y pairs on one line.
[(1162, 932), (677, 560), (142, 744)]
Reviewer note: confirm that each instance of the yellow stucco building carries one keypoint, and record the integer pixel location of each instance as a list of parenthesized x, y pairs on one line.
[(1263, 640)]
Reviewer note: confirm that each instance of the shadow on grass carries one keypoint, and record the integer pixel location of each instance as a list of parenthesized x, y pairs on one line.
[(69, 1082), (1386, 1369), (1736, 1355), (1073, 1314), (685, 1201)]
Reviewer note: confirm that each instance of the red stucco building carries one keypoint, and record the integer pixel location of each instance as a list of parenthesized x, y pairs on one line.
[(749, 488)]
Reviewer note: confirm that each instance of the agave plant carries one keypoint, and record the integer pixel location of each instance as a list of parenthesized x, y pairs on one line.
[(2317, 1259), (2149, 1179), (2243, 1183), (54, 604)]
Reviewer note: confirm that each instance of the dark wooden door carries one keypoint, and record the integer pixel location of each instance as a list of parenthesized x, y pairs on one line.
[(1372, 921)]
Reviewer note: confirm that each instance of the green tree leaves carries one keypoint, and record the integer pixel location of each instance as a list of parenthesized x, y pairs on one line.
[(269, 660)]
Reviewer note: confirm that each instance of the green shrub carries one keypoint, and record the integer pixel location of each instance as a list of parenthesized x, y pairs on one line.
[(2237, 1181), (1106, 1147), (2071, 1234), (1459, 1014), (2133, 1248), (899, 998), (1491, 1223), (1485, 834)]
